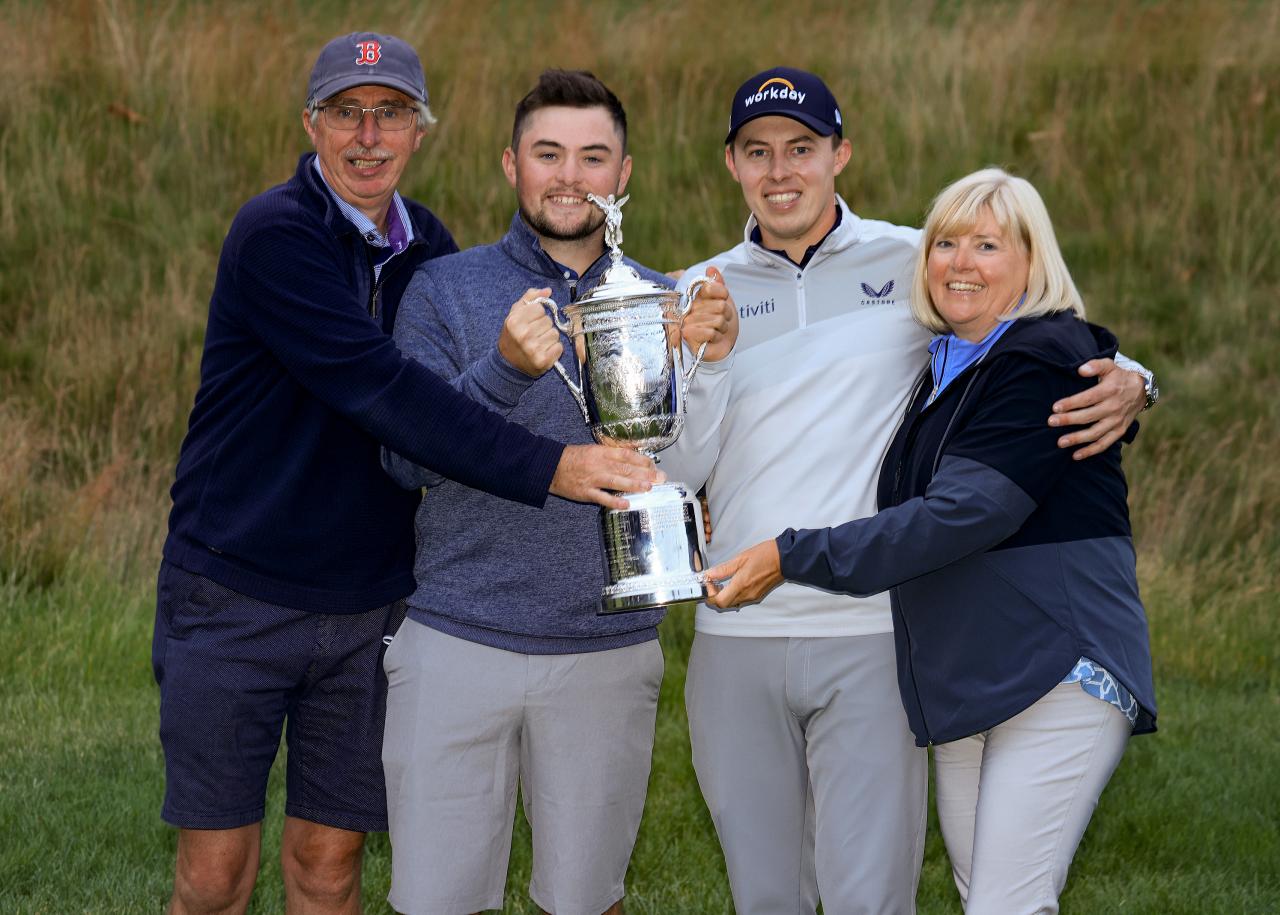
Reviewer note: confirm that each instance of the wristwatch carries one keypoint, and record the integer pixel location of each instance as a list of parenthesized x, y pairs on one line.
[(1153, 390)]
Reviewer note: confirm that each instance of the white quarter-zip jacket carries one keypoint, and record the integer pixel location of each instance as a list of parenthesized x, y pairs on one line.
[(790, 429)]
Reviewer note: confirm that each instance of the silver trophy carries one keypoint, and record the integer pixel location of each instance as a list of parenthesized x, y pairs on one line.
[(631, 389)]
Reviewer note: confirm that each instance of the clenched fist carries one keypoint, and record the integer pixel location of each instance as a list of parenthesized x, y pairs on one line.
[(713, 319), (529, 340)]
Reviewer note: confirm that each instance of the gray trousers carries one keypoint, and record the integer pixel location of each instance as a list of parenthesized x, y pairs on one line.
[(813, 780), (466, 722)]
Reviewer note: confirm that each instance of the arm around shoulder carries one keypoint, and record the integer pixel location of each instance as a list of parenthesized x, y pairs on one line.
[(1107, 411)]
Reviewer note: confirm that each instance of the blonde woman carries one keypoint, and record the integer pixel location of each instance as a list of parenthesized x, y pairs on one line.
[(1022, 645)]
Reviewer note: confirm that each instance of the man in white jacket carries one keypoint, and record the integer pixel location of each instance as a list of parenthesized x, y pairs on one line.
[(800, 742)]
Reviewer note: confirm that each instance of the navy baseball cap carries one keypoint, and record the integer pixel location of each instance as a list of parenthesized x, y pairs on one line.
[(367, 59), (790, 93)]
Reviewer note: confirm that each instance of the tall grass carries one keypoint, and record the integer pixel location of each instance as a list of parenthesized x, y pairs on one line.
[(131, 131)]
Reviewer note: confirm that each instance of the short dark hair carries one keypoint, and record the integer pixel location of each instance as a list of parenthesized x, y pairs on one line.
[(569, 89)]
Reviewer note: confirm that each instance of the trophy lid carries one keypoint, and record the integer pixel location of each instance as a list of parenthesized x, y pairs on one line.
[(622, 282)]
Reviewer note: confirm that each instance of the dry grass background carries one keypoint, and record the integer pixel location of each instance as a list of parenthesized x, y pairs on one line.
[(131, 131)]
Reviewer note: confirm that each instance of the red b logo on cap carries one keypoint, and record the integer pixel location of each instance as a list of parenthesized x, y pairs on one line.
[(370, 53)]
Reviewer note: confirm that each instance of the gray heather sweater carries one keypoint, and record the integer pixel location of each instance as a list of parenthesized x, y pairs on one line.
[(488, 570)]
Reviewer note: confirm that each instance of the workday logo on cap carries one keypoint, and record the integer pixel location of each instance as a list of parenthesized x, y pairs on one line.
[(790, 93), (782, 89)]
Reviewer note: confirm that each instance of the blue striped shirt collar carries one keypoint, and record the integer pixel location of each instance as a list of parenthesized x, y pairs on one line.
[(399, 226)]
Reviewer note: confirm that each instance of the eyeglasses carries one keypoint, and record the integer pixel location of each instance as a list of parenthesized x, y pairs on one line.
[(349, 117)]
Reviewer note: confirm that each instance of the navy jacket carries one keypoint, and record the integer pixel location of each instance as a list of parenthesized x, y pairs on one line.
[(280, 492), (1008, 560)]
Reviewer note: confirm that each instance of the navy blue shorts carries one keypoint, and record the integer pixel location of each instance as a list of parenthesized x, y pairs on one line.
[(233, 671)]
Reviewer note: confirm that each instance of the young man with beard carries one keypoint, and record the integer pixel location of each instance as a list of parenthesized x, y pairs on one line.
[(289, 551), (800, 741), (503, 672)]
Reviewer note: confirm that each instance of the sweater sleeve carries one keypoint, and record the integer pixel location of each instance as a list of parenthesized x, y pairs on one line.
[(297, 302), (991, 476), (426, 332)]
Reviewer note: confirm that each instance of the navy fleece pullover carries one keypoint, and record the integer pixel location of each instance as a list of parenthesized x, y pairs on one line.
[(280, 493)]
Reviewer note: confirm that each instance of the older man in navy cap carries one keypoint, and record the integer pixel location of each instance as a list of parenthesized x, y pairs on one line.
[(800, 741), (290, 552)]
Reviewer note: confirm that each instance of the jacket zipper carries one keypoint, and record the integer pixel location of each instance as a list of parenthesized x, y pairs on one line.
[(800, 303), (377, 277), (911, 431), (375, 283), (801, 315), (942, 443), (897, 498)]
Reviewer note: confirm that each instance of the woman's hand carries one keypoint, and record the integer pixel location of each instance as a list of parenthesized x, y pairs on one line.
[(752, 574)]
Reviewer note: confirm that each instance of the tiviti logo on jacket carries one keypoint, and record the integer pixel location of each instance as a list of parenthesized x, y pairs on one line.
[(784, 89), (877, 296), (765, 307)]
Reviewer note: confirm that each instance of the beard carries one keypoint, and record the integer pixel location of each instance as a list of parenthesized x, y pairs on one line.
[(540, 223)]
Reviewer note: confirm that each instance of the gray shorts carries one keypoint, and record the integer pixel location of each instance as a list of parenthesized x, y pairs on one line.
[(464, 721)]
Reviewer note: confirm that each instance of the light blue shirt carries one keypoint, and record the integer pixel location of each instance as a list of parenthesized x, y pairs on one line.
[(950, 355)]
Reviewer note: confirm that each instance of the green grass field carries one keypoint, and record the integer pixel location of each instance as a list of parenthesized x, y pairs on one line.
[(131, 131)]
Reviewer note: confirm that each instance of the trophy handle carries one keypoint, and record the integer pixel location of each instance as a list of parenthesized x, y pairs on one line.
[(557, 316), (562, 324), (691, 292)]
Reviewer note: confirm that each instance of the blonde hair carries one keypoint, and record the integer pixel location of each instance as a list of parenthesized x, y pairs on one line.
[(1018, 210)]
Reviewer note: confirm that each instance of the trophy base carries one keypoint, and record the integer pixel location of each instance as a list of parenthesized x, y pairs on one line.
[(649, 592), (654, 551)]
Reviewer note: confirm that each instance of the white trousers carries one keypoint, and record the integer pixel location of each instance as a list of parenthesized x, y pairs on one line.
[(1014, 801)]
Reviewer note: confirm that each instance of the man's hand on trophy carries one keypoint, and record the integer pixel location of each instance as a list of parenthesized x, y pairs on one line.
[(529, 340), (750, 575), (596, 473), (712, 319)]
